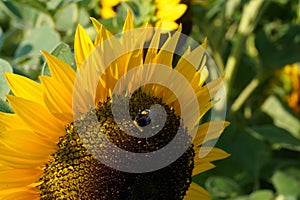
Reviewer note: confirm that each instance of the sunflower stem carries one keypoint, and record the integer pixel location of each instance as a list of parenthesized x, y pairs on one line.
[(249, 89), (251, 14)]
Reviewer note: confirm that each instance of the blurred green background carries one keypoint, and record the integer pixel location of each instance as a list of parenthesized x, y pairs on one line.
[(255, 43)]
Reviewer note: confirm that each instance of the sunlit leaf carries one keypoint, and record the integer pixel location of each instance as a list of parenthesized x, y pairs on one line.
[(44, 38), (1, 37), (275, 49), (281, 115), (222, 187), (4, 106), (278, 137), (4, 67), (262, 195), (66, 17), (63, 52), (287, 182), (38, 5)]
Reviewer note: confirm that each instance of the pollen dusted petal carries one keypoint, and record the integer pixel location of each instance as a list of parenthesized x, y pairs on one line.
[(60, 71), (58, 99), (25, 87), (37, 117), (18, 177), (196, 192), (82, 45)]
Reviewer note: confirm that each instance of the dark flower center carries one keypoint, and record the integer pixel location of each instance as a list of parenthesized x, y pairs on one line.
[(74, 173)]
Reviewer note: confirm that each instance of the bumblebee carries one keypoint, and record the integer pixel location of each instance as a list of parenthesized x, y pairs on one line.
[(143, 118)]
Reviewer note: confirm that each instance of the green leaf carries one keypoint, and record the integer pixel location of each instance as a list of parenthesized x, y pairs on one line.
[(83, 17), (222, 187), (262, 195), (37, 5), (66, 17), (287, 182), (1, 37), (4, 107), (53, 4), (278, 137), (63, 52), (41, 38), (4, 67), (282, 116), (250, 152), (258, 195), (275, 49)]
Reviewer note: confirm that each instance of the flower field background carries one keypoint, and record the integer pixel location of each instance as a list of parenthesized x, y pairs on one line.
[(254, 43)]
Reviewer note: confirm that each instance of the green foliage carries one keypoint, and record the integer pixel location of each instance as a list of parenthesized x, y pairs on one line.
[(4, 67), (287, 182), (30, 26), (4, 89), (63, 52), (252, 45)]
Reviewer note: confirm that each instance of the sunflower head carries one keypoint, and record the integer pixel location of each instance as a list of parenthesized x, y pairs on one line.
[(166, 12), (126, 125)]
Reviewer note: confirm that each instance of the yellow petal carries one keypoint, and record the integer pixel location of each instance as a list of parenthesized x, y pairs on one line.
[(37, 117), (36, 145), (153, 47), (107, 12), (18, 177), (163, 3), (58, 99), (21, 194), (60, 71), (128, 24), (10, 121), (209, 131), (211, 154), (22, 161), (196, 192), (25, 87), (82, 46), (110, 2), (165, 54), (188, 63), (103, 33), (171, 12), (202, 167), (168, 25)]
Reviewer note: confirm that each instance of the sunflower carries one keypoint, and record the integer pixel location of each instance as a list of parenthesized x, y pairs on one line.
[(107, 6), (293, 74), (167, 10), (48, 152)]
